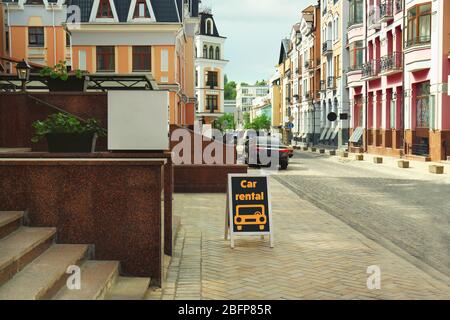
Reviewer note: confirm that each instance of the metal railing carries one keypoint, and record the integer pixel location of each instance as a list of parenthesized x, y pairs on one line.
[(355, 67), (371, 69), (327, 47), (386, 10), (391, 62)]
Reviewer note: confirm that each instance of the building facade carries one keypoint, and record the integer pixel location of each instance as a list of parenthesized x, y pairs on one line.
[(110, 37), (245, 94), (334, 95), (209, 69)]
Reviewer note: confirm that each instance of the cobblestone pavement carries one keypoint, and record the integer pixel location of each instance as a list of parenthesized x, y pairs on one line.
[(403, 210), (316, 256)]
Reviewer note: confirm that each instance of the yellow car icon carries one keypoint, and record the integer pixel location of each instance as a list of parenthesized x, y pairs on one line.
[(258, 217)]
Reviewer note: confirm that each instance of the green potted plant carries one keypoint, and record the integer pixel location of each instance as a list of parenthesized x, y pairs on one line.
[(60, 79), (66, 133)]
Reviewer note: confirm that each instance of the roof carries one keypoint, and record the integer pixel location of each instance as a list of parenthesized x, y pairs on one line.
[(205, 16), (283, 50), (165, 10)]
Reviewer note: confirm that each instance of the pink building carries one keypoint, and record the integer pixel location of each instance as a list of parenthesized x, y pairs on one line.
[(398, 107)]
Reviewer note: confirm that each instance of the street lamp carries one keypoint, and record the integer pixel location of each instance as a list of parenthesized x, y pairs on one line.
[(23, 73)]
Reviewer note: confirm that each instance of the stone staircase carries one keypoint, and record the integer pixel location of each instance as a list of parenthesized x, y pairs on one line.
[(33, 267)]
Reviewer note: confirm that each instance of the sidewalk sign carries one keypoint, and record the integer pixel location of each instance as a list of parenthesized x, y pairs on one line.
[(249, 210)]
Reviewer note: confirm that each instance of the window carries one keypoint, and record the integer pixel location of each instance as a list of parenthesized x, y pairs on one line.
[(211, 52), (82, 60), (419, 25), (141, 9), (104, 9), (356, 9), (67, 40), (205, 51), (212, 79), (423, 105), (209, 26), (356, 55), (164, 60), (7, 40), (36, 36), (212, 102), (217, 53), (106, 59), (142, 58)]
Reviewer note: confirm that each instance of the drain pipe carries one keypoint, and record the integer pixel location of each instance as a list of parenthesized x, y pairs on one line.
[(9, 36)]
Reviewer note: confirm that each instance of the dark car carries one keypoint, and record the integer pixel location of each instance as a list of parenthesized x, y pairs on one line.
[(263, 150)]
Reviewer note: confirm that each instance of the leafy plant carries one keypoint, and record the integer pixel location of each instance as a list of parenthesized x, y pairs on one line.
[(65, 123), (225, 122), (59, 71), (262, 122)]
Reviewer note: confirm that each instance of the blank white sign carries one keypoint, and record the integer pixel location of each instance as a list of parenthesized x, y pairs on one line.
[(138, 120)]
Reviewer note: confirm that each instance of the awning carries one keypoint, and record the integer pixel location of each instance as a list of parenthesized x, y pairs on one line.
[(357, 135)]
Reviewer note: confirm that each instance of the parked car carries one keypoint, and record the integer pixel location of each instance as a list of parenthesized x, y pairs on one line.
[(260, 149)]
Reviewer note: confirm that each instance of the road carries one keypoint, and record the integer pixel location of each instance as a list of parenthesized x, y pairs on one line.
[(406, 214)]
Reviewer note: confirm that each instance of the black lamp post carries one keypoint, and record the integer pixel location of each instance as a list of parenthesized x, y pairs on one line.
[(23, 73)]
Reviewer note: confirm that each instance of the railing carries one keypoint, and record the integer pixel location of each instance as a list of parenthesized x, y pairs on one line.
[(386, 10), (398, 5), (327, 47), (309, 64), (418, 41), (371, 69), (391, 62), (355, 67), (331, 82)]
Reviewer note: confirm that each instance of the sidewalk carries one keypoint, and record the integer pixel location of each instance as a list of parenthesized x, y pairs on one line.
[(316, 256)]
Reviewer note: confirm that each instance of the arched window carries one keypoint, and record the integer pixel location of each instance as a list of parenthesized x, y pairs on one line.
[(211, 52), (217, 53), (205, 51), (209, 27)]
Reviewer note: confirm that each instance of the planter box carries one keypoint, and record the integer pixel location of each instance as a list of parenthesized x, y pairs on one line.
[(378, 160), (436, 169), (404, 164), (305, 148), (72, 84), (313, 149), (331, 152), (71, 142), (359, 157), (322, 151), (343, 154)]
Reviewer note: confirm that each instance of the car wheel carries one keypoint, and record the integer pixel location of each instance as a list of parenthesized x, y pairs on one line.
[(284, 165)]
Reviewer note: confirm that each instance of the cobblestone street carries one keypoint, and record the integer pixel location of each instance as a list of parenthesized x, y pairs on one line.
[(316, 255)]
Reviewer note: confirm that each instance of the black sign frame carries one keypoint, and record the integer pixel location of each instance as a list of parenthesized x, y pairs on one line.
[(262, 207)]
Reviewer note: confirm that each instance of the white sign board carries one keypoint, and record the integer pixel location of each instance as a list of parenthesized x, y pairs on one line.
[(138, 120)]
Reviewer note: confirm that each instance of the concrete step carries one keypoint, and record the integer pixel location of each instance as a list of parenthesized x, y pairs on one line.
[(45, 276), (129, 289), (97, 277), (10, 221), (21, 247)]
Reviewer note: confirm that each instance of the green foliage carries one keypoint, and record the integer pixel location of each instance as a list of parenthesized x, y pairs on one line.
[(261, 122), (59, 71), (261, 83), (65, 123), (230, 89), (225, 122)]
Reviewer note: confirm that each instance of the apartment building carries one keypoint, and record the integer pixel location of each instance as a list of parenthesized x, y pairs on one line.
[(284, 86), (261, 106), (310, 55), (209, 69), (33, 30), (245, 94), (296, 73), (398, 95), (334, 94), (110, 37), (275, 99)]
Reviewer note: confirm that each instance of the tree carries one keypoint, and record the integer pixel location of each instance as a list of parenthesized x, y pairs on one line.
[(261, 122), (230, 89), (261, 83), (225, 122)]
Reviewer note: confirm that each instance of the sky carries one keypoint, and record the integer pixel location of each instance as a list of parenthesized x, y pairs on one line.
[(254, 29)]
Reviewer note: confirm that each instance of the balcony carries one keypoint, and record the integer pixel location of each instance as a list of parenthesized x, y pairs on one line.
[(353, 22), (309, 64), (398, 4), (374, 18), (331, 83), (418, 41), (356, 67), (371, 69), (386, 11), (391, 63), (327, 47)]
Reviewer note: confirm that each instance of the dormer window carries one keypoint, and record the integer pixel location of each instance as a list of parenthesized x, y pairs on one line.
[(104, 9), (209, 27), (141, 9)]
